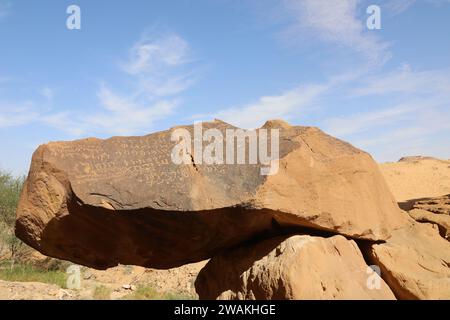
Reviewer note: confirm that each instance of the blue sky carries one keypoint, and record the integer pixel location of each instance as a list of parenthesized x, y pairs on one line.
[(137, 67)]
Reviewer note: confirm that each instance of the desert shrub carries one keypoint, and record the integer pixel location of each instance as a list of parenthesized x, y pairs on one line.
[(102, 293), (17, 261), (148, 292), (28, 273), (10, 188)]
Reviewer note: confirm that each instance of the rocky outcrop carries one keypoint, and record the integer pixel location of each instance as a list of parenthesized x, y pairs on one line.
[(435, 211), (438, 205), (123, 200), (415, 262), (442, 221), (296, 267)]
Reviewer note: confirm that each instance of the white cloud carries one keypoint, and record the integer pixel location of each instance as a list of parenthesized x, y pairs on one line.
[(400, 6), (5, 8), (150, 55), (125, 115), (272, 107), (158, 64), (47, 93), (407, 81), (336, 22), (64, 121), (12, 115), (356, 123), (294, 101), (157, 71), (421, 115)]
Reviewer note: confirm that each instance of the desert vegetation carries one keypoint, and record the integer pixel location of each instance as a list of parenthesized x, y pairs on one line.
[(21, 264), (17, 260)]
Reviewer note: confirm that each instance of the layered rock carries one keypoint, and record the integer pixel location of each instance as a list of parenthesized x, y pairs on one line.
[(123, 200), (437, 205), (435, 211), (296, 267), (442, 221), (415, 262)]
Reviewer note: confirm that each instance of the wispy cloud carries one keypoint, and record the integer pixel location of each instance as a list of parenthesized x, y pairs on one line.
[(271, 107), (400, 6), (158, 70), (47, 93), (152, 56), (127, 115), (422, 111), (335, 22), (406, 81), (294, 101), (158, 64), (360, 122), (419, 93), (12, 115), (5, 8)]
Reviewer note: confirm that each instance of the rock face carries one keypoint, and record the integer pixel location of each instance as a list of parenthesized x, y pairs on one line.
[(439, 205), (415, 262), (122, 200), (435, 211), (296, 267), (442, 221)]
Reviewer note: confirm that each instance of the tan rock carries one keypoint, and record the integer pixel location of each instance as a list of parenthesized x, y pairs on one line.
[(296, 267), (441, 220), (415, 262), (438, 205), (414, 178), (122, 200)]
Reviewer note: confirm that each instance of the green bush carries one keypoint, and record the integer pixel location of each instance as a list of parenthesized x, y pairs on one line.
[(18, 263), (10, 189), (27, 273), (102, 293)]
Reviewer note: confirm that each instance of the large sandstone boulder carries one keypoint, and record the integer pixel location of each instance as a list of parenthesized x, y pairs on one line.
[(415, 262), (297, 267), (123, 200)]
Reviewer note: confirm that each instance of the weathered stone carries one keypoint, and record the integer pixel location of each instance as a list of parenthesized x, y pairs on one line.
[(441, 220), (438, 205), (122, 200), (297, 267), (415, 262)]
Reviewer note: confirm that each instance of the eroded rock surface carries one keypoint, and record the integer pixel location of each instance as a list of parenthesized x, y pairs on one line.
[(296, 267), (122, 200), (437, 205), (415, 262), (442, 221)]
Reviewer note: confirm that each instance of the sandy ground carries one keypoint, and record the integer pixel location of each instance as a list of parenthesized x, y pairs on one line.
[(33, 291), (416, 178), (119, 282)]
